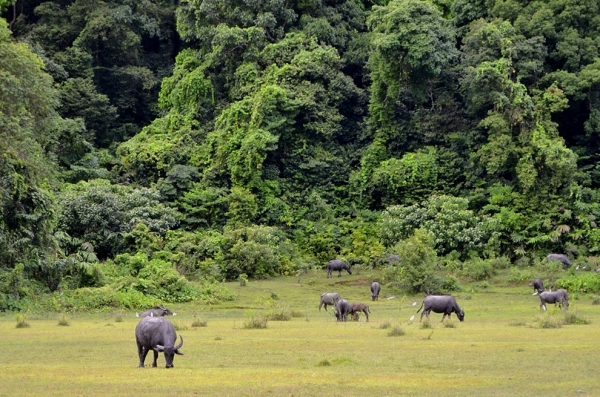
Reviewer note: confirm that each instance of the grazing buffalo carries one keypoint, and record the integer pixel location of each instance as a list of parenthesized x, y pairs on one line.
[(441, 304), (329, 298), (342, 310), (375, 288), (538, 286), (561, 258), (157, 312), (559, 296), (157, 334), (339, 265), (359, 307)]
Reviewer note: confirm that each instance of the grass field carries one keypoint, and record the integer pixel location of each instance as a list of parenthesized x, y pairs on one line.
[(499, 350)]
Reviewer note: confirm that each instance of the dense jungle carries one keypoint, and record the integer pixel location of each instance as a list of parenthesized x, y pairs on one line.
[(152, 149)]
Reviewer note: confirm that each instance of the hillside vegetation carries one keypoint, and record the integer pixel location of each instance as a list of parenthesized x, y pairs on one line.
[(152, 149)]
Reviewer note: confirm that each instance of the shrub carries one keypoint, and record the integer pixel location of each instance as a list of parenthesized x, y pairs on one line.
[(21, 320), (324, 363), (448, 218), (179, 326), (574, 318), (585, 283), (517, 275), (256, 322), (479, 269), (199, 323), (396, 331), (449, 324), (419, 259), (426, 324), (385, 325), (549, 321), (243, 279), (62, 321)]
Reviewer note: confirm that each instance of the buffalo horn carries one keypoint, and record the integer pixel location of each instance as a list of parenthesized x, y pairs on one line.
[(180, 343)]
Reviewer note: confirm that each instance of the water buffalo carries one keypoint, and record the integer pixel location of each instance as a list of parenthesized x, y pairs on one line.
[(359, 307), (342, 310), (375, 288), (538, 286), (156, 312), (157, 334), (329, 298), (561, 258), (559, 296), (339, 265), (441, 304)]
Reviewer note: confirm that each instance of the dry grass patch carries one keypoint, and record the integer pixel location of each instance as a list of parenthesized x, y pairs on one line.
[(63, 321), (199, 322)]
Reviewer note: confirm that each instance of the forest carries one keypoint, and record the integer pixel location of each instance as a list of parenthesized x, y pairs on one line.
[(152, 149)]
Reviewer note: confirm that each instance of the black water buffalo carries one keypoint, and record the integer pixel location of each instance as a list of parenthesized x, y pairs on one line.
[(538, 286), (342, 310), (441, 304), (359, 307), (559, 296), (329, 298), (157, 312), (375, 288), (157, 334), (339, 265), (561, 258)]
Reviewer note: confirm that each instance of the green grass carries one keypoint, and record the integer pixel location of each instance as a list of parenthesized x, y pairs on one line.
[(498, 350)]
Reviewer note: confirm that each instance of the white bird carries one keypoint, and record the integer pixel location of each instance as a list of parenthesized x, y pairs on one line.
[(174, 314), (151, 314), (577, 268), (390, 298), (414, 304), (535, 293), (412, 317), (137, 314)]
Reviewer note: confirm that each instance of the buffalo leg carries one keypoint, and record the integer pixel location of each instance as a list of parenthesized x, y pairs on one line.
[(367, 315), (142, 352), (155, 358)]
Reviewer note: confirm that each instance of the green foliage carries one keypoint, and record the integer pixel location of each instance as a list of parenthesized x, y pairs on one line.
[(257, 251), (418, 261), (28, 117), (584, 283), (99, 213), (479, 269), (453, 225)]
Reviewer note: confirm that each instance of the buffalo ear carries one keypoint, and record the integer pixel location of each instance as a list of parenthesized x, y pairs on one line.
[(178, 352)]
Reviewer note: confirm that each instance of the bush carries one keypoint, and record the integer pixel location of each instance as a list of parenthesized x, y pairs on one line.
[(518, 275), (419, 259), (574, 318), (549, 321), (99, 212), (396, 331), (62, 321), (256, 322), (453, 225), (479, 269), (86, 299), (584, 283), (21, 320), (199, 323)]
